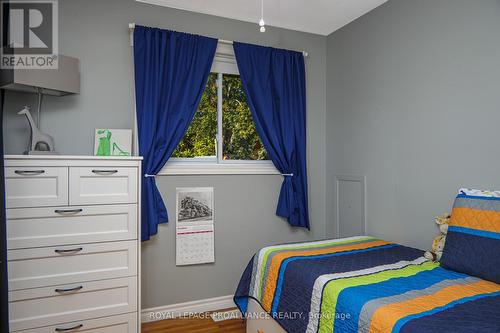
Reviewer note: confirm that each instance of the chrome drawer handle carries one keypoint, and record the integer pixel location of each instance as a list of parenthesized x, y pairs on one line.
[(69, 328), (58, 290), (108, 172), (78, 249), (68, 211), (29, 172)]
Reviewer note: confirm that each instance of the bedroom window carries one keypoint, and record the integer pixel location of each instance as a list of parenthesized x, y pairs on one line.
[(222, 138), (222, 128)]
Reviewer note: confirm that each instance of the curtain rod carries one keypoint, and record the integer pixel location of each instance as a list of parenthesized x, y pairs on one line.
[(131, 27)]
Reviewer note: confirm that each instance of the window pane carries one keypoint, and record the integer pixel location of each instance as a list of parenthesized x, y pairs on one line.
[(240, 139), (200, 138)]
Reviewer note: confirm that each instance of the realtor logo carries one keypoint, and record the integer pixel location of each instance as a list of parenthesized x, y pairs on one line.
[(29, 34)]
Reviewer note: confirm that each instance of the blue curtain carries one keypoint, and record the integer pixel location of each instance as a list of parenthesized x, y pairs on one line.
[(171, 71), (274, 83)]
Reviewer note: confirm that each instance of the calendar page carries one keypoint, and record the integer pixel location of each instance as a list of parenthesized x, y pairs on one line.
[(195, 245), (195, 226)]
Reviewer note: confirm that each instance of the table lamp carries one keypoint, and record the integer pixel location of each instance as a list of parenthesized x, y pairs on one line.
[(65, 80)]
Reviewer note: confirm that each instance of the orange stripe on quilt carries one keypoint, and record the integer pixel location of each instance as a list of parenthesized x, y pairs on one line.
[(384, 318), (274, 267), (486, 220)]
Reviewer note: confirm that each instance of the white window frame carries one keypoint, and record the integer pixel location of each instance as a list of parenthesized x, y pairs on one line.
[(224, 63)]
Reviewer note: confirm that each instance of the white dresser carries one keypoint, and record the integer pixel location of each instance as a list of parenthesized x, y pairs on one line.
[(73, 241)]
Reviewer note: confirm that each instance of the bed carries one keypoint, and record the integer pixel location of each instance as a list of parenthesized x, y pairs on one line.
[(361, 284)]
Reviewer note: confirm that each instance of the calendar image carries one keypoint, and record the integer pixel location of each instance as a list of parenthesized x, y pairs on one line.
[(195, 204), (195, 231)]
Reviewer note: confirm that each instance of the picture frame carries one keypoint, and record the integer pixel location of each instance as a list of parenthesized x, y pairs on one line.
[(112, 142)]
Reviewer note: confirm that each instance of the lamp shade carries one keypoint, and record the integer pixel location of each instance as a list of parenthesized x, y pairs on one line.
[(64, 80)]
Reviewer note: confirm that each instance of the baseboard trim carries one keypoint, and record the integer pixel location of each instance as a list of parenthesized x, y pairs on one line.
[(187, 308)]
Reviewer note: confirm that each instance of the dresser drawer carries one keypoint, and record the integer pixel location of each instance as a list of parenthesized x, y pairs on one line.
[(36, 186), (37, 227), (45, 306), (47, 266), (102, 185), (126, 323)]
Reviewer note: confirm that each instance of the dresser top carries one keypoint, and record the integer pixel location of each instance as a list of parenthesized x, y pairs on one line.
[(72, 157)]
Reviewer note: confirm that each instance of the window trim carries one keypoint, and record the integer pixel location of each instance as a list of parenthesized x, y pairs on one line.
[(226, 168), (224, 63)]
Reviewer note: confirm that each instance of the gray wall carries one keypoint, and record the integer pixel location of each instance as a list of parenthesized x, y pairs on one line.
[(413, 103), (96, 32)]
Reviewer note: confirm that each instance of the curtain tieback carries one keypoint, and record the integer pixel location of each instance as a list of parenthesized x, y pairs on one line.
[(287, 174), (149, 176)]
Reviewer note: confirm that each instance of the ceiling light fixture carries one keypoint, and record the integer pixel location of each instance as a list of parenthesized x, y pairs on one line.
[(262, 24)]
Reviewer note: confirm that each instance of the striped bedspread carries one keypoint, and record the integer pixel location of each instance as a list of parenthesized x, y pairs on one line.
[(363, 284)]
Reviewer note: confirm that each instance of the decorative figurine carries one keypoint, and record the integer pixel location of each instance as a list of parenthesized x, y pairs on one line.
[(40, 143)]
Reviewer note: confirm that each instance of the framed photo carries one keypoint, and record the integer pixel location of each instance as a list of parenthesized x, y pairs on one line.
[(195, 205), (113, 142)]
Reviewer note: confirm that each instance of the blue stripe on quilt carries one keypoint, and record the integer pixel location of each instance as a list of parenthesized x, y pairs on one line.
[(403, 321), (464, 253), (475, 232), (478, 316), (285, 263), (244, 288), (300, 276), (351, 300)]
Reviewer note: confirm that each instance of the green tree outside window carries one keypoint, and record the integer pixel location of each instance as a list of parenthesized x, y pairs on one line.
[(240, 140)]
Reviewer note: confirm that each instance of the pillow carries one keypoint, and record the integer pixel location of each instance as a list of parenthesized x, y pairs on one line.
[(473, 240)]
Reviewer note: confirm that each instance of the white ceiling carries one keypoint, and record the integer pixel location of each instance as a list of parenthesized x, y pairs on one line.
[(315, 16)]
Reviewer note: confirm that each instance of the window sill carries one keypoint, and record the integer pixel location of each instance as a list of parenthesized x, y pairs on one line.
[(212, 168)]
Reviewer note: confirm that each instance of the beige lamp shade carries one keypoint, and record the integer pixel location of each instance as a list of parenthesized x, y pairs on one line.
[(64, 80)]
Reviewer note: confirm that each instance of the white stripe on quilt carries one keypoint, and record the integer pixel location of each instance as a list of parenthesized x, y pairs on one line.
[(256, 276), (320, 282)]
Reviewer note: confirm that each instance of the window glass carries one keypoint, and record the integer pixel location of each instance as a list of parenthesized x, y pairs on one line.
[(240, 140)]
